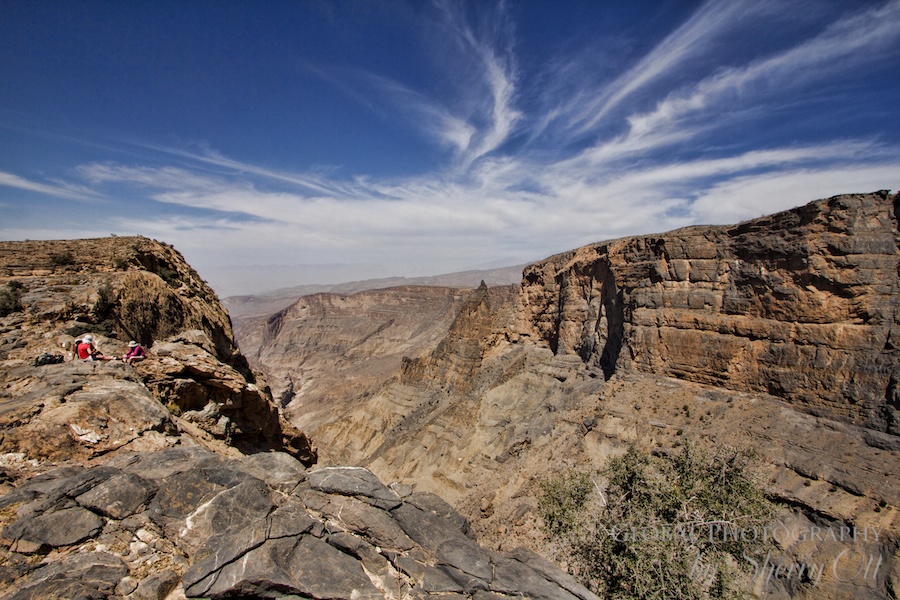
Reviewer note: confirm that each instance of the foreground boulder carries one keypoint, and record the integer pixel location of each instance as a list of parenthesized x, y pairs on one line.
[(261, 526)]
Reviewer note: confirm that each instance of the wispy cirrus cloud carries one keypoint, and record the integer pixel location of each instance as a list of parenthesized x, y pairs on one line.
[(842, 45), (652, 150), (694, 37), (489, 44), (57, 189)]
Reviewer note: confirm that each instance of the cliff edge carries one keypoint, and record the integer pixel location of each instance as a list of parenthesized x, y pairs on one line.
[(801, 305)]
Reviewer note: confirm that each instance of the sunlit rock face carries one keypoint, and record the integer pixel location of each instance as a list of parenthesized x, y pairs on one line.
[(800, 305), (120, 289)]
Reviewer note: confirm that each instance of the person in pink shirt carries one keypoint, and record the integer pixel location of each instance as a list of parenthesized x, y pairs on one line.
[(135, 353)]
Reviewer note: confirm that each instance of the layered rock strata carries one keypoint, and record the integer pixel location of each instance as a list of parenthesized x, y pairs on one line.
[(327, 350), (801, 305)]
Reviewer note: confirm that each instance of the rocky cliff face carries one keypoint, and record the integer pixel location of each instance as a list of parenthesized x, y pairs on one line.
[(801, 305), (325, 350), (775, 335)]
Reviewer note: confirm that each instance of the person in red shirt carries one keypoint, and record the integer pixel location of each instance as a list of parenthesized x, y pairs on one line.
[(86, 350)]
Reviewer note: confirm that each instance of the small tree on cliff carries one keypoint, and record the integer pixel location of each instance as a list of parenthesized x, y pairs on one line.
[(662, 528)]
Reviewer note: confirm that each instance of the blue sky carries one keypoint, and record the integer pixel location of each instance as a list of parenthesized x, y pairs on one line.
[(356, 139)]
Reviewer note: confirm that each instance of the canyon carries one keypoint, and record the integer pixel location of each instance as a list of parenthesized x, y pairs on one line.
[(776, 335), (179, 476), (393, 442)]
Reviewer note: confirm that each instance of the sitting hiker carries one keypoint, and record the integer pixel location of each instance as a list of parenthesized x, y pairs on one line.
[(135, 353), (87, 351)]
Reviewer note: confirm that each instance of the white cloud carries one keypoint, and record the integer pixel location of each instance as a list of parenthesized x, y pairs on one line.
[(749, 197), (694, 37), (849, 41), (57, 189)]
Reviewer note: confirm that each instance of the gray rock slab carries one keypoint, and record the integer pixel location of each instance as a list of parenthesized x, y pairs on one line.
[(279, 470), (353, 481), (306, 566), (515, 578), (119, 496), (468, 557), (55, 529), (426, 577), (425, 527), (551, 572), (40, 485), (376, 525), (221, 551), (163, 464), (88, 576), (180, 496), (437, 505), (290, 519), (228, 525)]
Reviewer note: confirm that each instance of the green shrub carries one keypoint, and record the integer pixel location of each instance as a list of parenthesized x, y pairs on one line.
[(561, 501), (664, 527), (9, 298), (60, 259)]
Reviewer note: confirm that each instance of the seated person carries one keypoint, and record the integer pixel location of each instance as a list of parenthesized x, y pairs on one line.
[(87, 351), (135, 353)]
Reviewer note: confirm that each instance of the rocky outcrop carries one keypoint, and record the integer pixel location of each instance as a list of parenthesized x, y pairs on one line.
[(142, 525), (483, 321), (120, 289), (801, 305)]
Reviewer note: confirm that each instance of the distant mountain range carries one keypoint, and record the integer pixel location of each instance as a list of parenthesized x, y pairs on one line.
[(272, 301)]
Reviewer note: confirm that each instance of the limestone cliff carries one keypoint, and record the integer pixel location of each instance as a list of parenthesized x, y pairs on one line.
[(801, 305)]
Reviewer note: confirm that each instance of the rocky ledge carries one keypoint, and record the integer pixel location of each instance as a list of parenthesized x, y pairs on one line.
[(150, 525)]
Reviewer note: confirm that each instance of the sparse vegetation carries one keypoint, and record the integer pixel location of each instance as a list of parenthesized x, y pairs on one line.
[(562, 500), (102, 318), (9, 298), (663, 527), (60, 259), (169, 275)]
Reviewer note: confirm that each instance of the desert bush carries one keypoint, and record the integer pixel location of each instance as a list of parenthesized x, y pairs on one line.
[(60, 259), (9, 298), (106, 301), (668, 528), (561, 501)]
